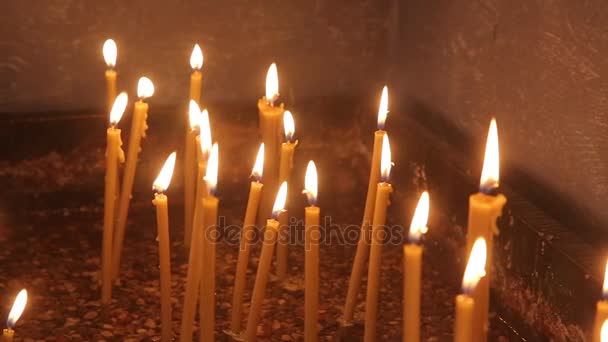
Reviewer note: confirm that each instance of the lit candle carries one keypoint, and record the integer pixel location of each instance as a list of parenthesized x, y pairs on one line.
[(161, 184), (145, 89), (362, 252), (412, 271), (261, 278), (464, 330), (601, 309), (209, 214), (190, 156), (311, 258), (110, 51), (287, 149), (114, 155), (484, 208), (13, 316), (271, 115), (196, 79), (383, 192), (240, 278)]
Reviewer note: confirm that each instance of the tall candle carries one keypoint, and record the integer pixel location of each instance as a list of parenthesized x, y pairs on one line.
[(362, 252), (311, 258), (601, 308), (464, 330), (110, 51), (13, 316), (204, 142), (247, 232), (412, 271), (145, 89), (373, 278), (271, 116), (261, 279), (190, 157), (114, 155), (484, 208), (287, 149), (196, 79), (161, 184), (207, 287)]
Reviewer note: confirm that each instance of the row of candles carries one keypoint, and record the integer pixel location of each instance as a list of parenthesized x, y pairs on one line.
[(201, 207)]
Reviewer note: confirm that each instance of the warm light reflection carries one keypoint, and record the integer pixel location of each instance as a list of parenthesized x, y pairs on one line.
[(383, 108), (118, 108), (109, 52), (604, 332), (288, 125), (272, 84), (194, 115), (196, 58), (385, 160), (311, 183), (258, 167), (161, 184), (476, 266), (420, 219), (212, 169), (17, 309), (605, 287), (491, 164), (205, 128), (279, 202), (145, 88)]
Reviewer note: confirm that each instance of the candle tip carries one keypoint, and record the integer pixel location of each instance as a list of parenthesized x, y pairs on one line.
[(145, 88), (161, 184), (110, 51), (279, 203), (383, 108), (476, 266), (385, 160), (311, 183), (289, 126), (212, 169), (418, 227), (272, 84), (17, 309), (118, 108), (258, 166), (196, 58), (205, 133), (490, 172)]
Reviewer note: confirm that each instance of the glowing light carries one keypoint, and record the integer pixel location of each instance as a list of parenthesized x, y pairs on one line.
[(212, 169), (17, 309), (145, 88), (279, 202), (604, 332), (605, 287), (476, 266), (161, 184), (383, 108), (194, 115), (118, 108), (258, 167), (272, 84), (385, 161), (288, 125), (109, 52), (205, 133), (196, 58), (311, 183), (491, 164), (420, 219)]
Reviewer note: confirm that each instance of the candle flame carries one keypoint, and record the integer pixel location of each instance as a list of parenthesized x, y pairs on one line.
[(118, 108), (258, 167), (17, 309), (383, 108), (476, 266), (205, 133), (109, 52), (272, 84), (161, 184), (605, 287), (288, 125), (279, 202), (194, 114), (212, 169), (311, 183), (420, 219), (604, 332), (145, 88), (385, 161), (490, 171), (196, 58)]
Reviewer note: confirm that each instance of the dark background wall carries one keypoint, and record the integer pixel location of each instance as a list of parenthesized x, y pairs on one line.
[(538, 66)]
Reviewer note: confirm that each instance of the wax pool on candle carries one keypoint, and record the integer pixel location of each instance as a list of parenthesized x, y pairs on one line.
[(311, 259), (601, 309), (363, 244), (14, 314), (247, 232), (109, 55), (196, 79), (190, 157), (114, 155), (145, 89), (464, 328)]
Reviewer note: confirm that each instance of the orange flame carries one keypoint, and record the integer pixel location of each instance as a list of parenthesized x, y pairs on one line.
[(420, 219), (311, 183), (145, 88), (476, 266), (385, 160), (490, 172), (212, 169), (205, 133), (118, 108), (161, 184), (383, 108), (196, 58), (194, 115), (110, 51), (272, 84), (17, 309), (258, 167), (604, 332), (288, 125), (279, 202)]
